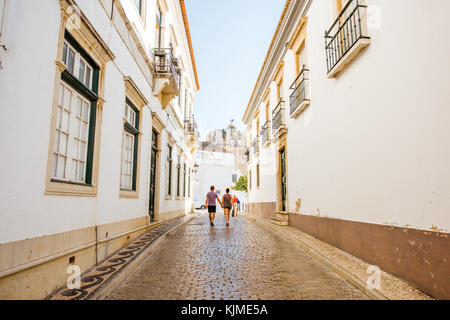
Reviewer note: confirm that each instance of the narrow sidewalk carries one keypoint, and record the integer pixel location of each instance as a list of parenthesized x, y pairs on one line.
[(101, 279), (351, 268)]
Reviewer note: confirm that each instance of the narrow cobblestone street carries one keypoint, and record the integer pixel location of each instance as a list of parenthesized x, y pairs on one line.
[(243, 261)]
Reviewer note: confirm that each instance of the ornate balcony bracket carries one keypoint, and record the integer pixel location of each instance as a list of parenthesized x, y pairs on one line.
[(166, 84)]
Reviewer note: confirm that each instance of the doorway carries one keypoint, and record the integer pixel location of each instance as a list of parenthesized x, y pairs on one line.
[(153, 172), (283, 180)]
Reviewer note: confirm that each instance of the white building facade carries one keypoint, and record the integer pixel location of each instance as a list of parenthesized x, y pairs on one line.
[(97, 102), (350, 132)]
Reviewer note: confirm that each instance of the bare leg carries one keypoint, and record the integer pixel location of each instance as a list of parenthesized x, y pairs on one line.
[(227, 214), (212, 216)]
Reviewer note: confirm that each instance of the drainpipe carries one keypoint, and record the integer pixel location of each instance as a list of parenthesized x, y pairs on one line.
[(2, 29), (96, 244)]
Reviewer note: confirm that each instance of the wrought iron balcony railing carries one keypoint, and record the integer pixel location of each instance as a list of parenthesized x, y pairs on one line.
[(256, 146), (166, 64), (349, 27), (278, 116), (301, 90), (247, 154), (189, 125), (265, 133)]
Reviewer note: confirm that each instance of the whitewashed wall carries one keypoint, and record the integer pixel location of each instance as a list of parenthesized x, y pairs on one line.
[(27, 88), (374, 144)]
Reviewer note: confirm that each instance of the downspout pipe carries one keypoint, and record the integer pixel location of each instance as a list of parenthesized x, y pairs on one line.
[(2, 30), (3, 18)]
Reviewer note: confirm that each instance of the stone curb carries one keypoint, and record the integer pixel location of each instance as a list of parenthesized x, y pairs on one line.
[(104, 293), (354, 280)]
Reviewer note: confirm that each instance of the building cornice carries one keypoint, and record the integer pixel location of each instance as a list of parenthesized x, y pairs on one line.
[(188, 35), (292, 13)]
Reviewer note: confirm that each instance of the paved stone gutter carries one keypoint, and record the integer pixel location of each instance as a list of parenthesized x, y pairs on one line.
[(97, 282), (346, 265)]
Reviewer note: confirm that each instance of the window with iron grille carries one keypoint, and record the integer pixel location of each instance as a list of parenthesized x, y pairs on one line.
[(346, 32)]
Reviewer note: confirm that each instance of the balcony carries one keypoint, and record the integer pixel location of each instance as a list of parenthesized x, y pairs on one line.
[(167, 75), (189, 128), (247, 154), (279, 121), (299, 99), (265, 134), (346, 38), (256, 147)]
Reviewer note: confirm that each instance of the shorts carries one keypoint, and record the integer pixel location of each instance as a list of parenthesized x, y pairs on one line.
[(227, 206), (212, 209)]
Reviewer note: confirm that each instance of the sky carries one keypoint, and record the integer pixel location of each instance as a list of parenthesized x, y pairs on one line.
[(230, 40)]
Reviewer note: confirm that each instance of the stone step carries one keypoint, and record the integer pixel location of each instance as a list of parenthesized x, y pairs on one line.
[(280, 222), (282, 215)]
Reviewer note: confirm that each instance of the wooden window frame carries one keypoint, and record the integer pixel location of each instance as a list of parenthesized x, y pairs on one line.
[(86, 37), (141, 9), (132, 130), (184, 181), (159, 26), (258, 178), (189, 183), (169, 170), (179, 177), (134, 99), (87, 40)]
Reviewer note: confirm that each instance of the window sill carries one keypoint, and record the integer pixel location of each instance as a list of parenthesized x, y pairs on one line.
[(129, 194), (349, 57), (279, 132), (168, 197), (300, 109), (65, 188)]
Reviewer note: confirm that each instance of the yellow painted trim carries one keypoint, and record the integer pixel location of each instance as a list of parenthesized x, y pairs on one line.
[(296, 39), (266, 95), (134, 94), (157, 124), (283, 14), (279, 73), (188, 35)]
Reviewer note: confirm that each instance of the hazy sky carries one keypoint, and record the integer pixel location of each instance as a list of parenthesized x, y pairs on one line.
[(230, 39)]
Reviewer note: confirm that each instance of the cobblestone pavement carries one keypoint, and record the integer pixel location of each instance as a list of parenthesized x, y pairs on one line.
[(244, 261), (97, 277)]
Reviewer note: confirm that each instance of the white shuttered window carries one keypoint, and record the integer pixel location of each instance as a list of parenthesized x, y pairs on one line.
[(71, 136), (126, 182)]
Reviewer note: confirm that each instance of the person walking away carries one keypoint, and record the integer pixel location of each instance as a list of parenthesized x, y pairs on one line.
[(236, 205), (227, 204), (211, 198)]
